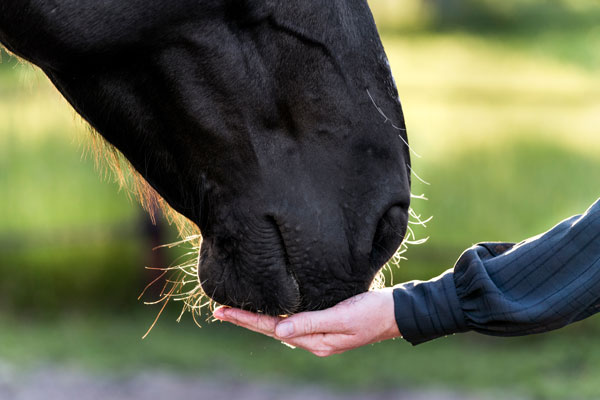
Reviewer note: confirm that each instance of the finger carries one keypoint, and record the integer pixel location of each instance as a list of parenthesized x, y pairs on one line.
[(313, 322), (322, 345), (255, 322)]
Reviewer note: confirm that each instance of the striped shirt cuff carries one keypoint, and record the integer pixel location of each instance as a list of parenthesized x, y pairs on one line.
[(428, 310)]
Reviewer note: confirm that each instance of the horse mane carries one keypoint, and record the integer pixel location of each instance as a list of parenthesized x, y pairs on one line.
[(112, 164)]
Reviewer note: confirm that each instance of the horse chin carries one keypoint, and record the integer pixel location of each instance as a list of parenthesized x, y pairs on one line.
[(277, 295)]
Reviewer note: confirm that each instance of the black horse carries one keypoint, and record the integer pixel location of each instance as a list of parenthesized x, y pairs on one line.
[(273, 125)]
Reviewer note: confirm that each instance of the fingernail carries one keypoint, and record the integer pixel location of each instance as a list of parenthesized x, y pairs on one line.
[(220, 313), (284, 329)]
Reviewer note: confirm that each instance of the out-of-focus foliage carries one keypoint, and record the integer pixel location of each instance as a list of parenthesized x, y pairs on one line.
[(508, 138), (485, 15), (68, 238), (563, 29)]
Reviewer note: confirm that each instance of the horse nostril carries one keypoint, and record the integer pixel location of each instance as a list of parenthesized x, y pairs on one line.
[(388, 235)]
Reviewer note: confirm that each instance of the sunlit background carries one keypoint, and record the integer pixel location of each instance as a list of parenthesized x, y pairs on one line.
[(502, 102)]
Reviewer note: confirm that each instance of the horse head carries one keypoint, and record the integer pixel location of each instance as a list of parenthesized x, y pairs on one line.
[(273, 125)]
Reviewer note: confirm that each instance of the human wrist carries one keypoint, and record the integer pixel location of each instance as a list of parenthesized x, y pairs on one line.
[(390, 326)]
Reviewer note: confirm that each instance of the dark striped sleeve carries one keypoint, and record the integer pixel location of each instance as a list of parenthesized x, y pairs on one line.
[(541, 284)]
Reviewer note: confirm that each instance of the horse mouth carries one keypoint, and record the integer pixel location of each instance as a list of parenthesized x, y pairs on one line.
[(248, 279), (286, 258), (273, 269)]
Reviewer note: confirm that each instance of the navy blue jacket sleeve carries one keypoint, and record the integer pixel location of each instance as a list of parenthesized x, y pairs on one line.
[(541, 284)]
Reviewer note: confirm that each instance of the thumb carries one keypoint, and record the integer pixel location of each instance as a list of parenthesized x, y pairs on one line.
[(310, 323)]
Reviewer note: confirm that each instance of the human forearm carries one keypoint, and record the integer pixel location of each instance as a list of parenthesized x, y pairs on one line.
[(539, 285)]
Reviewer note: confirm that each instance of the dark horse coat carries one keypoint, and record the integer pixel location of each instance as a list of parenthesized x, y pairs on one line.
[(273, 125)]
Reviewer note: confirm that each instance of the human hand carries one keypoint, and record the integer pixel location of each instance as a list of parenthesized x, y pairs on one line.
[(357, 321)]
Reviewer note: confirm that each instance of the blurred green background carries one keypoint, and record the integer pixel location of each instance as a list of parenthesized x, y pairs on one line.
[(502, 101)]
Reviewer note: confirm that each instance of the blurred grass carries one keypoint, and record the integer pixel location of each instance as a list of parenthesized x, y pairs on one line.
[(564, 365), (504, 108)]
